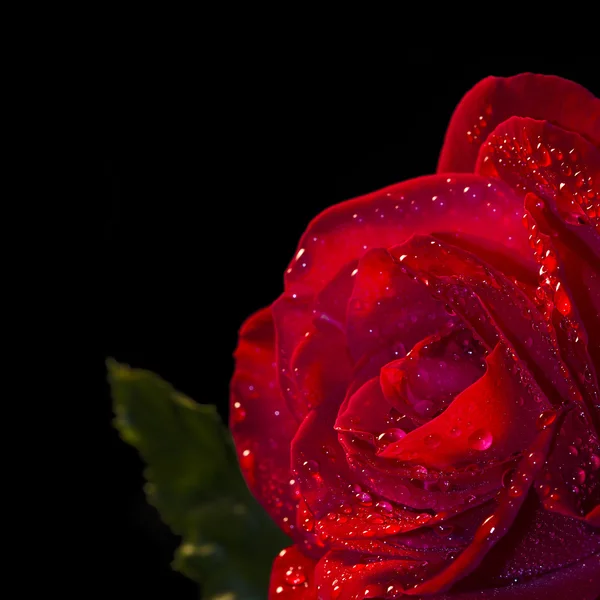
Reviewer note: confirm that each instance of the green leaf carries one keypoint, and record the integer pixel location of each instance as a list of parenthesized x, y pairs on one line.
[(194, 481)]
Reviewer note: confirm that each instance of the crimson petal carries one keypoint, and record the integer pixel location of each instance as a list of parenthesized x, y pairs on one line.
[(491, 420), (462, 203), (388, 310), (292, 577), (260, 421), (492, 306), (495, 99), (343, 576), (434, 372), (539, 541)]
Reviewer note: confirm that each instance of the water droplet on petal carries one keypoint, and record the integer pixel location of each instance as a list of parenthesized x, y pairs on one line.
[(384, 506), (579, 476), (364, 498), (239, 413), (595, 461), (390, 436), (374, 591), (507, 477), (562, 301), (294, 576), (515, 490), (310, 466), (480, 439), (546, 419)]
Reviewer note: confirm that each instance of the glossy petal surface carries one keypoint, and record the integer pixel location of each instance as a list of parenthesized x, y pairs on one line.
[(260, 421), (431, 370), (292, 577), (496, 99)]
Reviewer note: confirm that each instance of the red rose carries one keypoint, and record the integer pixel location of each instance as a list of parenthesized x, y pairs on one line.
[(420, 409)]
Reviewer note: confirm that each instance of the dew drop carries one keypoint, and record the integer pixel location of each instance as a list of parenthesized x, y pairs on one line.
[(543, 156), (239, 413), (573, 451), (395, 591), (310, 466), (535, 458), (562, 302), (515, 491), (546, 419), (419, 471), (595, 461), (384, 506), (374, 591), (480, 439), (375, 518), (390, 436), (487, 528), (455, 432), (294, 576), (364, 498), (507, 477), (579, 476)]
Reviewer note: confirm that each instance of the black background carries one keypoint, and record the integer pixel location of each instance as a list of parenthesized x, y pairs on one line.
[(206, 187)]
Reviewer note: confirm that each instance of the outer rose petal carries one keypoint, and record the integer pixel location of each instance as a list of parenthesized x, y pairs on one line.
[(292, 577), (496, 99), (261, 423), (561, 172), (463, 203), (299, 318), (582, 578), (539, 541)]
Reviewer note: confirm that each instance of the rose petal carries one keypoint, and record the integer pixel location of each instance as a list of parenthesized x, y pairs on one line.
[(339, 506), (492, 306), (388, 310), (571, 480), (463, 203), (292, 577), (343, 576), (321, 366), (496, 525), (436, 370), (495, 418), (298, 318), (319, 462), (260, 421), (349, 576), (495, 99), (411, 485), (561, 172), (539, 541), (293, 320)]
